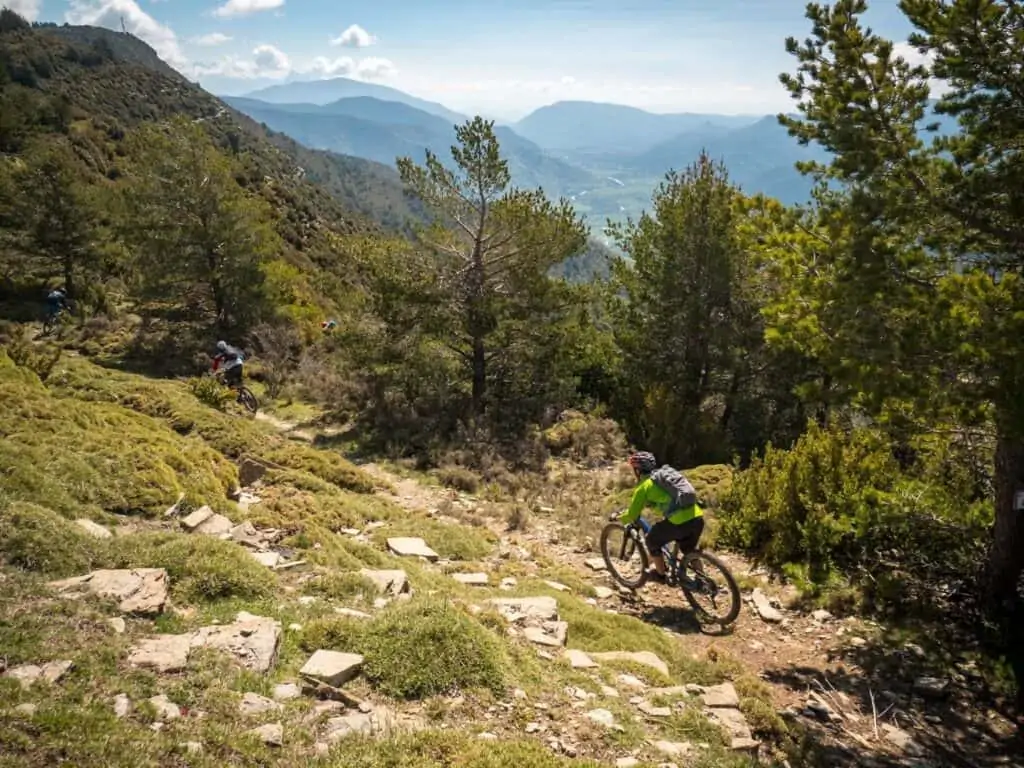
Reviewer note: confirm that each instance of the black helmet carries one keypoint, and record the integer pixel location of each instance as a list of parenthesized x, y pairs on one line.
[(643, 462)]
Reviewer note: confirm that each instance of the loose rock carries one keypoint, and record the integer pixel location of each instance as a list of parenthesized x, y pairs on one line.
[(254, 704), (332, 667), (764, 607), (51, 672), (578, 659), (471, 579), (271, 734), (93, 529), (286, 691), (602, 717), (136, 590), (638, 657), (408, 546), (165, 708), (723, 695), (388, 582)]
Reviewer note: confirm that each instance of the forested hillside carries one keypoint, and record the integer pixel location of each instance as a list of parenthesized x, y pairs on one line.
[(842, 381)]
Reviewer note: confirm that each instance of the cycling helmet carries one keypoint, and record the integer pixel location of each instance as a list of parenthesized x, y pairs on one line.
[(643, 462), (222, 346)]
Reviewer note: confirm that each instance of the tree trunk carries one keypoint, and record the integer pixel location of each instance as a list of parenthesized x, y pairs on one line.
[(479, 374), (1006, 558)]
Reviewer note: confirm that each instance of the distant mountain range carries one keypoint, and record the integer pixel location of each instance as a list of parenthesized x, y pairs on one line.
[(607, 158)]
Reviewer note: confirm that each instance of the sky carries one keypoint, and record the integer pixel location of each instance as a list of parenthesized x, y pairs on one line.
[(500, 58)]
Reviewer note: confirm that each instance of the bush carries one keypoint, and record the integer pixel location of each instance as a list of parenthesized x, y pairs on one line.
[(210, 392), (200, 568), (458, 478), (38, 539), (342, 585), (328, 466), (417, 649), (586, 440), (839, 501)]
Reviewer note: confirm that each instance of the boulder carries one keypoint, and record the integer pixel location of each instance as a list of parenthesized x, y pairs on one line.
[(388, 582), (51, 672), (723, 695), (162, 653), (136, 590), (519, 609), (764, 608), (253, 640)]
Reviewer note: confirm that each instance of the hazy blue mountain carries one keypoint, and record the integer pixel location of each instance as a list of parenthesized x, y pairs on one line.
[(586, 125), (322, 92), (380, 130)]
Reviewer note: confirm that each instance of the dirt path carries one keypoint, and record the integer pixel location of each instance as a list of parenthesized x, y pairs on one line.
[(865, 700)]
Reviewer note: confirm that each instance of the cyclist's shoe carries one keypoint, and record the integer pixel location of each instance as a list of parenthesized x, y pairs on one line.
[(657, 578)]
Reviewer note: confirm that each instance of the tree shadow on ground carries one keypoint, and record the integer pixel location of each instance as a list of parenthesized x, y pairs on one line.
[(903, 699)]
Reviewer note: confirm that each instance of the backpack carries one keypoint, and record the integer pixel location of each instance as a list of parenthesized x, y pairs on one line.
[(678, 487)]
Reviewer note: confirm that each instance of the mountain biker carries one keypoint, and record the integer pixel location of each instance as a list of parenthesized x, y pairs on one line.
[(232, 359), (681, 524), (56, 300), (328, 325)]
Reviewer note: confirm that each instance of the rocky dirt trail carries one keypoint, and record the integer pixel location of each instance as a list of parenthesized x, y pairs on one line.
[(860, 699), (867, 704)]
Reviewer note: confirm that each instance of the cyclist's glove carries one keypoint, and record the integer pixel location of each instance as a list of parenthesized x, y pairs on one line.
[(614, 516)]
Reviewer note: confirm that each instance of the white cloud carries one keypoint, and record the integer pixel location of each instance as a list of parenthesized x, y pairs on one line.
[(354, 37), (234, 8), (28, 9), (568, 80), (270, 59), (324, 67), (111, 13), (212, 39), (911, 55), (374, 68)]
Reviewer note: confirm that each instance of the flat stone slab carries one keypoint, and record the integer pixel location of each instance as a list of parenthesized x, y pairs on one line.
[(407, 546), (519, 609), (764, 608), (162, 653), (352, 613), (197, 518), (603, 593), (732, 720), (388, 582), (595, 563), (723, 695), (252, 640), (578, 659), (558, 586), (472, 579), (269, 559), (215, 525), (332, 667), (637, 657), (93, 529), (136, 590), (51, 672), (550, 633), (286, 691), (672, 748)]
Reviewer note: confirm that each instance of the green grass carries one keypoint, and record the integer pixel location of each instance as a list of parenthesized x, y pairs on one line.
[(81, 458), (417, 649), (39, 540)]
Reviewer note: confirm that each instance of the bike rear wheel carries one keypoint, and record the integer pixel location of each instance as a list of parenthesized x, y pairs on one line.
[(702, 590), (621, 547), (247, 399), (49, 323)]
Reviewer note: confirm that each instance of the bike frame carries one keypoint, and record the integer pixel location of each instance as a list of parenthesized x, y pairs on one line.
[(666, 553)]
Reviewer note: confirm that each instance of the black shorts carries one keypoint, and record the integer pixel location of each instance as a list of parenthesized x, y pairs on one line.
[(687, 534), (233, 376)]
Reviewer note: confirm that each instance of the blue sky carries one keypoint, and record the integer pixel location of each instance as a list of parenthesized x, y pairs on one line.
[(501, 58)]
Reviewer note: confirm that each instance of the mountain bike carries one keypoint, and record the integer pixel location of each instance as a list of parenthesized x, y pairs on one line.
[(245, 397), (52, 320), (690, 572)]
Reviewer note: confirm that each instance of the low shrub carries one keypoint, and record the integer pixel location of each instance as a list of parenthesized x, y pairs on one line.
[(39, 540), (417, 649), (200, 568), (839, 501)]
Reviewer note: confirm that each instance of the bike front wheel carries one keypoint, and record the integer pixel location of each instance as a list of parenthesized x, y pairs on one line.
[(248, 399), (622, 550), (710, 588)]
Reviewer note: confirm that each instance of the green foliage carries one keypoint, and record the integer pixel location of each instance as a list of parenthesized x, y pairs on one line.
[(417, 649), (39, 540), (201, 238), (696, 380), (210, 391), (923, 241), (839, 502)]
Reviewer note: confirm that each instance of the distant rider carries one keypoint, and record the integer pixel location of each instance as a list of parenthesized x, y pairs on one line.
[(56, 300), (328, 325), (232, 360), (682, 524)]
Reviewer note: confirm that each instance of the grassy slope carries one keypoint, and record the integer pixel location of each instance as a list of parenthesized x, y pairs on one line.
[(117, 448)]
